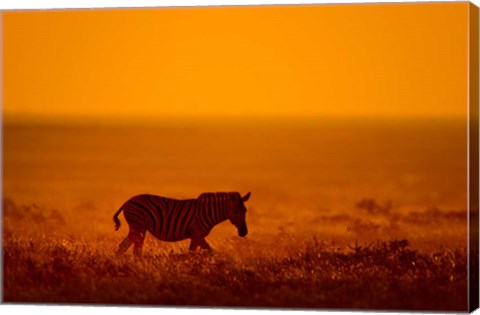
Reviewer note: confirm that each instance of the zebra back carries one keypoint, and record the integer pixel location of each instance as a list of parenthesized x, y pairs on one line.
[(220, 195)]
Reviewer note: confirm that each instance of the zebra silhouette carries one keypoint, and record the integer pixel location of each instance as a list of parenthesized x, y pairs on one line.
[(174, 220)]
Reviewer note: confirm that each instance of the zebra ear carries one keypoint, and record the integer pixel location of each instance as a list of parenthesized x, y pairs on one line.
[(245, 198)]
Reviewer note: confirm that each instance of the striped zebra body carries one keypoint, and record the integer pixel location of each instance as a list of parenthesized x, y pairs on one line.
[(174, 220)]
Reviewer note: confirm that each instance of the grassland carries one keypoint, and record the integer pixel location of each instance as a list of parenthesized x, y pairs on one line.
[(345, 216), (282, 270)]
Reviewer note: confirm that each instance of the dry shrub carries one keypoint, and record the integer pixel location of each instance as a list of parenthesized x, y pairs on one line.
[(434, 215), (32, 212), (371, 206)]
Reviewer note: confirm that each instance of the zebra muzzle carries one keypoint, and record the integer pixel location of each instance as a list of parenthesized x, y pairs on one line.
[(243, 231)]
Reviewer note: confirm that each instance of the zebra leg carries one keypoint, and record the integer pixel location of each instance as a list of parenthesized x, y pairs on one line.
[(196, 242), (193, 245), (124, 245), (137, 237), (204, 245)]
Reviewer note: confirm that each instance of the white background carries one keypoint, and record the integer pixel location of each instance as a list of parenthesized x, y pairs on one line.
[(74, 310), (42, 4)]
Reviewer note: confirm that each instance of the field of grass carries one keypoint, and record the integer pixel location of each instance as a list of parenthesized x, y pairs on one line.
[(282, 270), (308, 274), (341, 216)]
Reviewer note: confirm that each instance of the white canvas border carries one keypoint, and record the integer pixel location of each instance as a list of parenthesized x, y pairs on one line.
[(50, 4), (66, 4)]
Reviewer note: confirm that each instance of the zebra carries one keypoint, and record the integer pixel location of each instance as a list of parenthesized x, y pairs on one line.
[(174, 220)]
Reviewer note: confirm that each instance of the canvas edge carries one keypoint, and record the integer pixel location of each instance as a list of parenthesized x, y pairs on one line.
[(473, 150), (473, 157), (1, 155)]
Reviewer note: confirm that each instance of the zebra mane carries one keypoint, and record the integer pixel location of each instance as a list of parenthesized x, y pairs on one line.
[(225, 195)]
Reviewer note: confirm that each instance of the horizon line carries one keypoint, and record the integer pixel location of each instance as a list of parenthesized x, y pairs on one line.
[(9, 119)]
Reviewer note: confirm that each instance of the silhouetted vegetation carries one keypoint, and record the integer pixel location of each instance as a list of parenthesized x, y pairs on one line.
[(50, 260), (383, 275)]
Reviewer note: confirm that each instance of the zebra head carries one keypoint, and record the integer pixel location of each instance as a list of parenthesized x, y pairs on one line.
[(237, 211)]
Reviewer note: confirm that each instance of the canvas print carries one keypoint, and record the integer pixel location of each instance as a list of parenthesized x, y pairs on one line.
[(290, 156)]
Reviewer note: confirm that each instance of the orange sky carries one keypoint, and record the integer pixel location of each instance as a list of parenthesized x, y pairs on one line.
[(326, 60)]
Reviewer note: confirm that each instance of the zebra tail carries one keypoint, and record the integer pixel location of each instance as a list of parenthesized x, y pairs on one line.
[(116, 220)]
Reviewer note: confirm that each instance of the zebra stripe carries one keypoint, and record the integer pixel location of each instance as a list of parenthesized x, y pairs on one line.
[(173, 220)]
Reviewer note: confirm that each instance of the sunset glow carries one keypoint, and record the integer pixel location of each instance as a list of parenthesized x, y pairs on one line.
[(367, 60)]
